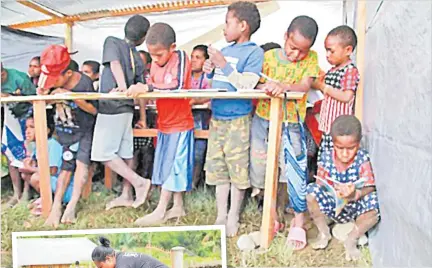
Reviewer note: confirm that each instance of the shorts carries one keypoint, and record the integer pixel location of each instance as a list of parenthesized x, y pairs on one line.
[(174, 161), (258, 151), (351, 210), (201, 121), (67, 196), (113, 137), (228, 152), (76, 146)]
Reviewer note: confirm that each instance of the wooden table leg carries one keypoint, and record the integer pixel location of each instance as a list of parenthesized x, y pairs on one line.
[(110, 178), (271, 179), (88, 185), (40, 120)]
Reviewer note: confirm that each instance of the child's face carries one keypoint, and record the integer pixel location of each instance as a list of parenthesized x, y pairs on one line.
[(197, 60), (233, 27), (87, 70), (3, 75), (345, 148), (336, 52), (34, 69), (30, 130), (160, 54), (296, 46)]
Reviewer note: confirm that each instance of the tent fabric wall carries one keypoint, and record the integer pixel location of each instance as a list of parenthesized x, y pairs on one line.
[(398, 129), (18, 47)]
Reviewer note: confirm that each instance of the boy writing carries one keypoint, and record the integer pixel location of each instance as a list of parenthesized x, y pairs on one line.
[(15, 83), (345, 173), (74, 121), (340, 82), (201, 116), (236, 67), (174, 156), (294, 67), (113, 146)]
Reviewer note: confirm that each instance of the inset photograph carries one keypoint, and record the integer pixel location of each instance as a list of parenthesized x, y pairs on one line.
[(175, 247)]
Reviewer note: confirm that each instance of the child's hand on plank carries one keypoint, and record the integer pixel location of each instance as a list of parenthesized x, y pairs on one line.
[(59, 91), (216, 57), (137, 89), (273, 88), (141, 124)]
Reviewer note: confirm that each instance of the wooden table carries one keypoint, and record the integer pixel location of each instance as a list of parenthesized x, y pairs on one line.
[(271, 179)]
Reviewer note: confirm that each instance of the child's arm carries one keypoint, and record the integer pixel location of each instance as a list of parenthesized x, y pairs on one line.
[(111, 56), (249, 78), (348, 83), (86, 106), (118, 73), (142, 123)]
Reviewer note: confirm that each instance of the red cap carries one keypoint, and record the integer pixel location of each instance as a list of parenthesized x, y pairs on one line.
[(54, 60)]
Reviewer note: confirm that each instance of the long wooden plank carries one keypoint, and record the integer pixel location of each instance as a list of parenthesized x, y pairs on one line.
[(40, 119), (39, 8), (360, 58), (110, 178), (271, 178), (151, 95)]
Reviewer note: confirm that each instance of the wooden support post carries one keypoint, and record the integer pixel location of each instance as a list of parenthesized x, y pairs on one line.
[(69, 36), (110, 178), (360, 61), (40, 119), (272, 171), (177, 257), (88, 185)]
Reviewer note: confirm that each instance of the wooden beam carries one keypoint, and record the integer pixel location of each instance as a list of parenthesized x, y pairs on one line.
[(272, 171), (145, 9), (88, 185), (38, 8), (110, 178), (208, 94), (40, 119), (360, 56), (69, 36)]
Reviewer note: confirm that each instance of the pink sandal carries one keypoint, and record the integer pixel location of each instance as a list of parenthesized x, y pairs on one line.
[(297, 234), (36, 207), (278, 227)]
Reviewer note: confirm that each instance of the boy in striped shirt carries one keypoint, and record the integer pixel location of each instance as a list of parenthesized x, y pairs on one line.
[(340, 82)]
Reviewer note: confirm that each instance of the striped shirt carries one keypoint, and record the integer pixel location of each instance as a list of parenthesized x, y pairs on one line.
[(342, 78)]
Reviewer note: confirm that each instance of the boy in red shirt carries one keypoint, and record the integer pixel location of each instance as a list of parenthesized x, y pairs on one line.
[(174, 156)]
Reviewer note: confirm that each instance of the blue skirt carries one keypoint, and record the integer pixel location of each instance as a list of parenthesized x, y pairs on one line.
[(174, 161)]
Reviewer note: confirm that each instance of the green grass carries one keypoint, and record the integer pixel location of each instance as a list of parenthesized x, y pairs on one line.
[(201, 210)]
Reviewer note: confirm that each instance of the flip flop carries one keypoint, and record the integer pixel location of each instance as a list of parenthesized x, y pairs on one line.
[(297, 234), (278, 227), (37, 210), (35, 203)]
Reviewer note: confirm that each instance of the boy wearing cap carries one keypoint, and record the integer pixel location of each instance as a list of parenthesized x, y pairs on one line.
[(113, 146), (74, 122)]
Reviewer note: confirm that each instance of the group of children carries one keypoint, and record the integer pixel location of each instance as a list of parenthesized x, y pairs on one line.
[(235, 159)]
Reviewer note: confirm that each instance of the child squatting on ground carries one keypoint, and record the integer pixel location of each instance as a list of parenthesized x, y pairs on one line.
[(29, 172), (236, 67), (345, 188), (74, 122), (113, 146), (174, 156), (291, 69)]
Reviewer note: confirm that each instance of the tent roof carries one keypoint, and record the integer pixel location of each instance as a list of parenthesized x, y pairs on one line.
[(25, 14), (50, 251)]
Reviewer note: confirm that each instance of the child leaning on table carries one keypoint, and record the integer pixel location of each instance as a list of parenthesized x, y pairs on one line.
[(174, 156), (347, 169)]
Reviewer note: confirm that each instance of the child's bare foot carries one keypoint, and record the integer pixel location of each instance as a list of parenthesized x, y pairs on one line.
[(321, 241), (141, 193), (352, 253), (232, 225), (174, 212), (54, 216), (255, 192), (221, 220), (24, 198), (69, 215), (12, 202), (153, 218), (121, 201)]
